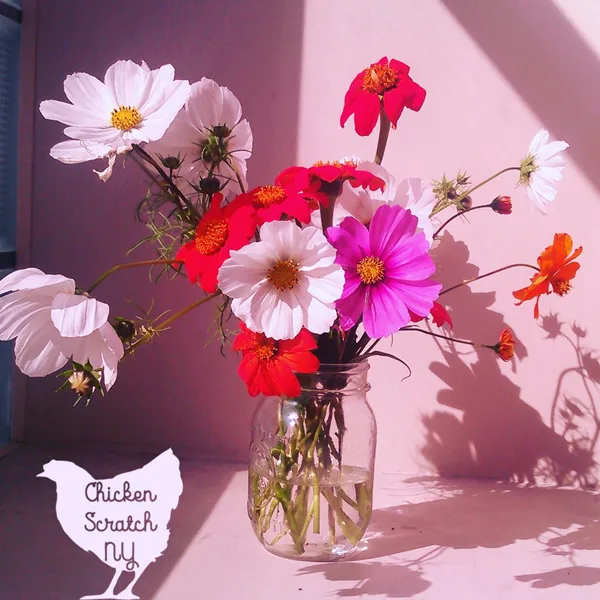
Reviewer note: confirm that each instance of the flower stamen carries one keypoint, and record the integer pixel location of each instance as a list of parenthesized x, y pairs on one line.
[(125, 118), (269, 194), (283, 275), (371, 270), (378, 79), (211, 236), (561, 286), (266, 350)]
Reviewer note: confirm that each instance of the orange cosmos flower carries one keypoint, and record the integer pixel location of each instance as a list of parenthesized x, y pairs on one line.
[(556, 271), (505, 348)]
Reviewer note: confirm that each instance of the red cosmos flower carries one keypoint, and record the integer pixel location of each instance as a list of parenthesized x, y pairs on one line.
[(381, 84), (322, 175), (289, 197), (268, 365), (220, 231)]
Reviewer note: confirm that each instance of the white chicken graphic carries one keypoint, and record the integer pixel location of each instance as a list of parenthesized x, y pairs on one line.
[(123, 520)]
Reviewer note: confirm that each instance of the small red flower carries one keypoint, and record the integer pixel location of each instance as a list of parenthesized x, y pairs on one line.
[(323, 176), (502, 205), (220, 231), (438, 314), (268, 365), (271, 202), (505, 348), (382, 83)]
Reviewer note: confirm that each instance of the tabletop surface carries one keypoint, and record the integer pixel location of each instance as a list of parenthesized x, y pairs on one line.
[(428, 538)]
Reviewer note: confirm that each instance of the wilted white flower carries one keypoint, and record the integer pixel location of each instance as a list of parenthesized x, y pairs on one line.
[(542, 168), (133, 105), (52, 324)]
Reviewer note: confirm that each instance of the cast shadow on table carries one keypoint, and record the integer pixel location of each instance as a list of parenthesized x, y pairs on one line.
[(496, 434), (467, 515)]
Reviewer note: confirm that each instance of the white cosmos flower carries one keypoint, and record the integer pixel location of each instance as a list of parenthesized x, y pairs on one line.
[(413, 194), (212, 114), (52, 324), (133, 105), (542, 168), (287, 281)]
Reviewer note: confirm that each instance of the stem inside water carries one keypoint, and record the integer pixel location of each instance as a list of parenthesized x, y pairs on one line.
[(304, 470)]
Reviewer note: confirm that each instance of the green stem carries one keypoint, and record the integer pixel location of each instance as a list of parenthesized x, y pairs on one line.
[(162, 325), (237, 176), (384, 132), (487, 275), (472, 189), (442, 337), (139, 263), (459, 214), (183, 201)]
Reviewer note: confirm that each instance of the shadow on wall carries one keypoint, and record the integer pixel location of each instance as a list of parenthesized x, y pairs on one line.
[(497, 435), (467, 515), (520, 38), (177, 391)]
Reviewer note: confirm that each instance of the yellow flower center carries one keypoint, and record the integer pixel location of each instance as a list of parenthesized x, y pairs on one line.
[(370, 270), (211, 236), (269, 194), (379, 79), (266, 351), (283, 275), (336, 163), (125, 117), (561, 286)]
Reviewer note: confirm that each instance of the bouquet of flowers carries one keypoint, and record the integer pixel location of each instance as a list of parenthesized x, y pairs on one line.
[(318, 266)]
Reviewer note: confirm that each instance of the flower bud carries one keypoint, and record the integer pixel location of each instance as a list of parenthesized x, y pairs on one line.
[(171, 162), (451, 193), (125, 329), (210, 185), (221, 131), (502, 205), (505, 348), (466, 203)]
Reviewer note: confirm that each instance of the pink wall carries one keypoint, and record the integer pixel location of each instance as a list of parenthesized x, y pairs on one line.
[(495, 73)]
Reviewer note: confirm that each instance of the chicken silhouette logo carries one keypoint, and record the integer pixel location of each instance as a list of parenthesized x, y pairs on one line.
[(124, 520)]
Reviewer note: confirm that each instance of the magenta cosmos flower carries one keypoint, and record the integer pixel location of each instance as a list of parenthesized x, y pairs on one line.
[(387, 268)]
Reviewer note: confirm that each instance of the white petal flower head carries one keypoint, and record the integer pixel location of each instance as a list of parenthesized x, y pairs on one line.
[(52, 324), (417, 196), (210, 129), (286, 281), (358, 202), (133, 105), (542, 168)]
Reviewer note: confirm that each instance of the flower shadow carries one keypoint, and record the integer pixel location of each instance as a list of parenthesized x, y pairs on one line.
[(372, 579), (496, 435)]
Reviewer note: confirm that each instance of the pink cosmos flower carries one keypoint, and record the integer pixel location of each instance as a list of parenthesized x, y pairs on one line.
[(387, 269)]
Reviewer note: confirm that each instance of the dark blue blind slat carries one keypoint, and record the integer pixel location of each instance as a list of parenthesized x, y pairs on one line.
[(10, 31)]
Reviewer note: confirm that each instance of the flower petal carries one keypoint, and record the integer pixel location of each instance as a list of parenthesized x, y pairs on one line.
[(78, 316)]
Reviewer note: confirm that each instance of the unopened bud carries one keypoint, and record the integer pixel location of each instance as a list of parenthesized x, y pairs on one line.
[(171, 162), (466, 203), (451, 193), (210, 185), (221, 131), (125, 329), (502, 205)]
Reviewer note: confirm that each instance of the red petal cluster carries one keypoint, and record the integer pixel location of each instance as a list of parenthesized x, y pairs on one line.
[(384, 85), (268, 366), (221, 230)]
